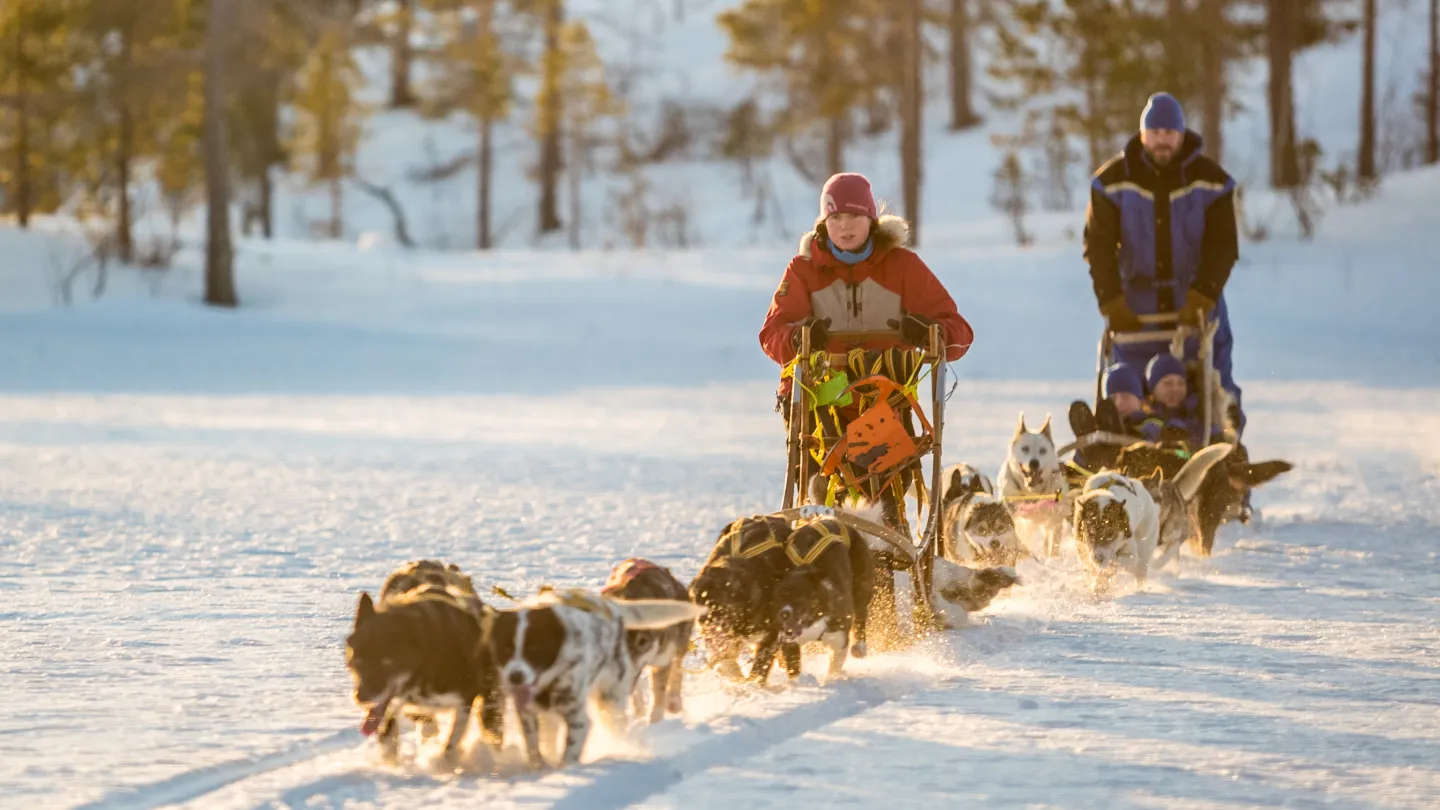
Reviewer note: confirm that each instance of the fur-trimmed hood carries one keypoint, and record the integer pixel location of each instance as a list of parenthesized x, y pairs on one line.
[(893, 232)]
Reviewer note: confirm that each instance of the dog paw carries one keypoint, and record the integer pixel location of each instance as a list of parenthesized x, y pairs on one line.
[(859, 649), (807, 680)]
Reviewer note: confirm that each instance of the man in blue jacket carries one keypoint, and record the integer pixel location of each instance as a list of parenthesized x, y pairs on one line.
[(1160, 236)]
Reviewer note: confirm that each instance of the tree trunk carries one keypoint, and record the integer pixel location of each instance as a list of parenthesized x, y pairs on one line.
[(1095, 137), (485, 38), (401, 56), (124, 241), (550, 143), (962, 111), (835, 145), (1365, 164), (22, 133), (1212, 92), (1280, 35), (337, 224), (487, 164), (912, 109), (219, 278), (1176, 35), (267, 204), (572, 172), (1432, 96)]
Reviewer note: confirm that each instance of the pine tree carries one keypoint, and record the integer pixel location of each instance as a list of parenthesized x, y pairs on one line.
[(38, 45), (549, 104), (1365, 165), (819, 57), (1009, 195), (476, 76), (961, 29), (587, 101), (328, 131)]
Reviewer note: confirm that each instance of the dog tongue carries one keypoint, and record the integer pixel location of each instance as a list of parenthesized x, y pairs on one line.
[(373, 718), (522, 696)]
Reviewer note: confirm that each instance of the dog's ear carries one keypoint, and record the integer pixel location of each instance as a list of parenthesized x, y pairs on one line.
[(365, 610), (1020, 428), (1045, 429), (1254, 475)]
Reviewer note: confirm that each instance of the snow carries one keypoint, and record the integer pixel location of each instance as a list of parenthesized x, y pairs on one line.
[(194, 498)]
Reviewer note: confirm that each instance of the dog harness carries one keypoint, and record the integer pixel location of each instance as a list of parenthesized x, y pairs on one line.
[(625, 572), (820, 534)]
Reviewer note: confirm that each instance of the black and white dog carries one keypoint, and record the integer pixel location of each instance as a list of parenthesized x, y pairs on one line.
[(1221, 490), (662, 652), (422, 651), (561, 649), (735, 585), (825, 597)]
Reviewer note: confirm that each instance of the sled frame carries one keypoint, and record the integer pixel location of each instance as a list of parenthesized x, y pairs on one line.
[(800, 467), (1175, 335)]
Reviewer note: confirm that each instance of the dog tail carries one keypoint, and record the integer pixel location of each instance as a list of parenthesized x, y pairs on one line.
[(655, 614), (1191, 475)]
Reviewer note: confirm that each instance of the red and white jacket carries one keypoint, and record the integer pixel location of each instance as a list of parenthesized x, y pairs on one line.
[(886, 286)]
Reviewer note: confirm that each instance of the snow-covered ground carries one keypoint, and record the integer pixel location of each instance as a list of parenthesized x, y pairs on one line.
[(191, 500)]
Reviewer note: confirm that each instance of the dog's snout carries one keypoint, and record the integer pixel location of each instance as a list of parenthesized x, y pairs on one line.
[(995, 543), (1034, 464), (517, 678)]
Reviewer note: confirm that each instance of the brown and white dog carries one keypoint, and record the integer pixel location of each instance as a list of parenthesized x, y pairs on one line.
[(561, 649), (662, 652), (422, 651)]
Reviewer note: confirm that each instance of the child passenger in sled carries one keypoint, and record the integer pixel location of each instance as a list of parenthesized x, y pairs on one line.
[(1173, 412)]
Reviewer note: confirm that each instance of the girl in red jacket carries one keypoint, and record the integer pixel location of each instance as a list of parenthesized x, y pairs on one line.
[(854, 273)]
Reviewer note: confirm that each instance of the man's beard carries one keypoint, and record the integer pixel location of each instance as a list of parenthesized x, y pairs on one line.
[(1162, 158)]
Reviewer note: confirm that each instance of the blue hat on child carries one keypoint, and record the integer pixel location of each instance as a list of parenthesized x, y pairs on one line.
[(1121, 377), (1161, 366), (1163, 112)]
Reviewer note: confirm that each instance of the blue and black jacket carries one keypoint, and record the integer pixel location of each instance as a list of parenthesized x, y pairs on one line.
[(1154, 233)]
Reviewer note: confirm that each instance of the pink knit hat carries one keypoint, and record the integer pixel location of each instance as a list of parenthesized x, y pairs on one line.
[(847, 193)]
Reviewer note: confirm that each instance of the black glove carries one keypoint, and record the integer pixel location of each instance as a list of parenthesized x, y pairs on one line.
[(914, 330), (819, 333)]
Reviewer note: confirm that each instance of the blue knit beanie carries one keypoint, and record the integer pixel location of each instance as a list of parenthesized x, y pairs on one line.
[(1161, 366), (1122, 377), (1163, 112)]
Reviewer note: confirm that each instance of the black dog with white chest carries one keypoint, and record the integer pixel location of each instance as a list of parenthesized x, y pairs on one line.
[(735, 585), (825, 597)]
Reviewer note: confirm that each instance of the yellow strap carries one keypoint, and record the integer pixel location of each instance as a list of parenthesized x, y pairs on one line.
[(826, 540), (737, 545), (1055, 497), (1077, 468)]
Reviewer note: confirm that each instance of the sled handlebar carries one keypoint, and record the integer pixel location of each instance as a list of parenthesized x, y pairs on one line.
[(1124, 338), (863, 335)]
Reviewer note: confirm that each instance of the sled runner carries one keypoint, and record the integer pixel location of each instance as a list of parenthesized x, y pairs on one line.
[(851, 419)]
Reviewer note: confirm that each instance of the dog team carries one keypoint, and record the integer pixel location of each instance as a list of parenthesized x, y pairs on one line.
[(770, 585)]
